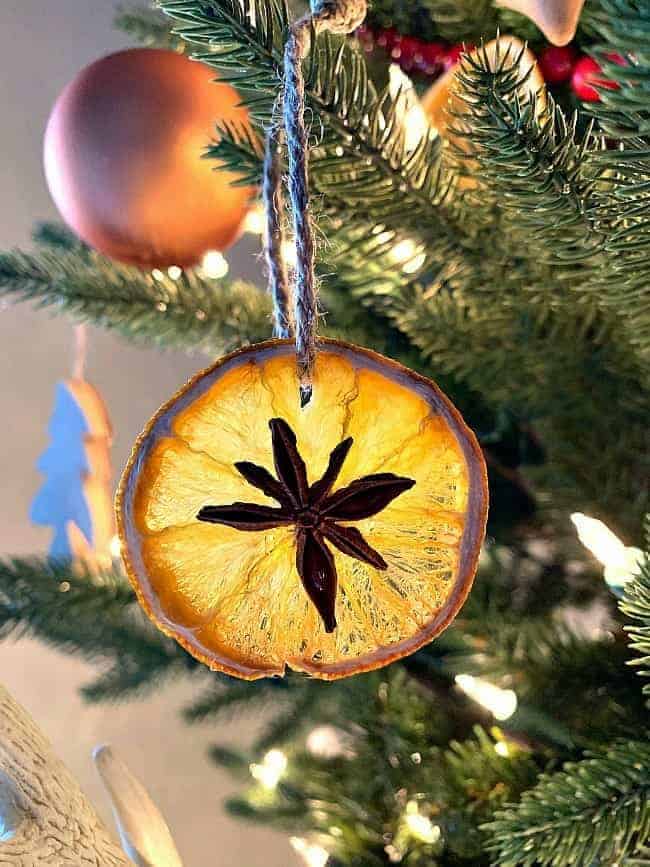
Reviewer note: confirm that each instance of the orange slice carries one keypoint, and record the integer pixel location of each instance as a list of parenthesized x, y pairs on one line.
[(231, 594)]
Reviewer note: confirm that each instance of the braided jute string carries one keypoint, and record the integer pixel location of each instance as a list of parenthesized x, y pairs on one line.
[(337, 16), (273, 207)]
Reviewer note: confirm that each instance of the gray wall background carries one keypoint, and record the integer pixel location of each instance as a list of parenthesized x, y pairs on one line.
[(43, 43)]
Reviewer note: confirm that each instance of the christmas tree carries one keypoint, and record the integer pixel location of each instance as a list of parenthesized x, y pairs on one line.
[(505, 254)]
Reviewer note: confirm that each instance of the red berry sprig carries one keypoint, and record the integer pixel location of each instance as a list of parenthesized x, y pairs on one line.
[(412, 54), (558, 64)]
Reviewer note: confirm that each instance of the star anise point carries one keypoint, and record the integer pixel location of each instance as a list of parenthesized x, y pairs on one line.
[(315, 510)]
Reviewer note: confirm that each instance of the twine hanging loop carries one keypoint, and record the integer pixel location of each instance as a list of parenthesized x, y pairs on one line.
[(338, 16), (335, 16)]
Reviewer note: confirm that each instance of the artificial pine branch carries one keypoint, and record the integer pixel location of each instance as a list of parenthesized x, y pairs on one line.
[(559, 673), (360, 162), (392, 751), (94, 617), (594, 811), (466, 20), (49, 598), (239, 150), (496, 778), (636, 605), (192, 311), (526, 159), (226, 696), (57, 236), (243, 42), (521, 346), (148, 26), (624, 114)]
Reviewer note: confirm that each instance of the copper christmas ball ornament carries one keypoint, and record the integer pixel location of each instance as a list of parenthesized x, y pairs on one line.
[(123, 158)]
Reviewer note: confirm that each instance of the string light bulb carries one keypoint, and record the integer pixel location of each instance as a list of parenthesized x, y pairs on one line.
[(407, 253), (269, 772), (328, 742), (403, 250), (174, 272), (254, 221), (214, 265), (312, 854), (115, 547), (621, 562), (501, 703), (420, 827), (416, 125)]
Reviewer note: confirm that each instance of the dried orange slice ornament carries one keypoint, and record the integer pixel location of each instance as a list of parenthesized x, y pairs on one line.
[(332, 538)]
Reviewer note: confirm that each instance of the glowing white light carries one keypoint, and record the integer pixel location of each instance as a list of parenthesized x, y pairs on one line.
[(254, 221), (270, 771), (384, 237), (501, 703), (157, 274), (414, 119), (414, 264), (289, 253), (407, 252), (115, 547), (403, 250), (502, 749), (174, 272), (419, 826), (214, 265), (620, 561), (327, 742), (313, 855)]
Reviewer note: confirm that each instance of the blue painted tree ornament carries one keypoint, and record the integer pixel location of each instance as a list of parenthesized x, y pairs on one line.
[(75, 498)]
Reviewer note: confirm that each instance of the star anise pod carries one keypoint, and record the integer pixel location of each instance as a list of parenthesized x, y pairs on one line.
[(315, 511)]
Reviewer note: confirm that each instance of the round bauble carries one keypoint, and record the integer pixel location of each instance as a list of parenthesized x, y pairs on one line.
[(556, 63), (588, 78), (327, 538), (123, 158)]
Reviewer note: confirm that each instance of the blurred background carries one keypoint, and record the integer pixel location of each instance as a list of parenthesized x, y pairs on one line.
[(42, 46)]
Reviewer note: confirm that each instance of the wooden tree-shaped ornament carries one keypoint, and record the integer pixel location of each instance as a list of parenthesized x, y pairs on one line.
[(75, 499)]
